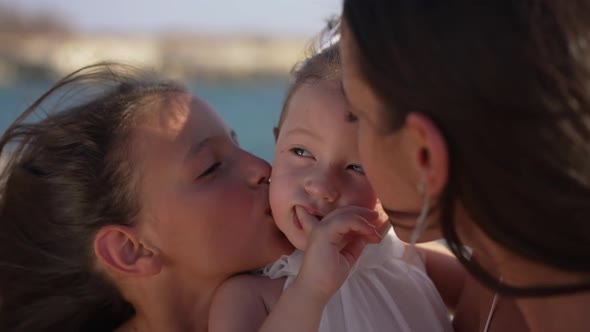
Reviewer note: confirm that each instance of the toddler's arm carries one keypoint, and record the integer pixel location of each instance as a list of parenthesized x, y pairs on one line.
[(241, 303), (299, 309)]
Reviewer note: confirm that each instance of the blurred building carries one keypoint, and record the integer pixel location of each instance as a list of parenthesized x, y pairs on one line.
[(45, 46)]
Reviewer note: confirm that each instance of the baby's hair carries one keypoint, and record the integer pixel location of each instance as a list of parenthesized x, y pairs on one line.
[(323, 64), (68, 174)]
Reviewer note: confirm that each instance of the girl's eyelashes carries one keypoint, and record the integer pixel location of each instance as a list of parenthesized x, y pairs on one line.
[(301, 152), (357, 168), (234, 137), (209, 170)]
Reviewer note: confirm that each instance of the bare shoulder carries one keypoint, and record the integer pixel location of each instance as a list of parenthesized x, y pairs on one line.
[(272, 292), (475, 306), (468, 315), (243, 302), (445, 271)]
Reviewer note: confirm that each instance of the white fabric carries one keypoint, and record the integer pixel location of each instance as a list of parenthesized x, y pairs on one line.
[(382, 293)]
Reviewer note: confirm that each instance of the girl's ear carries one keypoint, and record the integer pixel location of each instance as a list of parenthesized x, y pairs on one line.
[(119, 250), (431, 153)]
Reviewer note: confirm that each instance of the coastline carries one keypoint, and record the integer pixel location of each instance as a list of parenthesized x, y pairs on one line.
[(182, 57)]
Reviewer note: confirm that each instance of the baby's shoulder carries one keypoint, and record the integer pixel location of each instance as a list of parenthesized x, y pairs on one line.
[(250, 285), (243, 299), (251, 289)]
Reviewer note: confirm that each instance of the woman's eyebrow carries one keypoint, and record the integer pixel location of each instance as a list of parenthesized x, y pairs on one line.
[(350, 117)]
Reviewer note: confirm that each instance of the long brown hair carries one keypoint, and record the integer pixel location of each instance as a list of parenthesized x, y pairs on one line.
[(67, 175), (508, 84)]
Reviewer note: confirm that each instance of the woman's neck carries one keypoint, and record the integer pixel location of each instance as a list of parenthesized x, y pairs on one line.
[(172, 305), (548, 314), (560, 313)]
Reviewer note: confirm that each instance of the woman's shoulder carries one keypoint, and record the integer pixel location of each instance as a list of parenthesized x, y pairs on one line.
[(475, 308), (468, 307)]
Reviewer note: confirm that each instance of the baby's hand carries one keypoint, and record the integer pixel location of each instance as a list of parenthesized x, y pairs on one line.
[(334, 246)]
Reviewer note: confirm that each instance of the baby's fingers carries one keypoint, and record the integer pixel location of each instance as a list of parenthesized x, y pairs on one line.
[(341, 229), (353, 250), (306, 220)]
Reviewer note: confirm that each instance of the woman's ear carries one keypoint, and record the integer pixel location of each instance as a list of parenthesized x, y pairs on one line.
[(119, 249), (431, 153)]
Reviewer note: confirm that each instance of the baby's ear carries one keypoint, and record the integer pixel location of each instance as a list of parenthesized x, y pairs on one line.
[(275, 131), (119, 249)]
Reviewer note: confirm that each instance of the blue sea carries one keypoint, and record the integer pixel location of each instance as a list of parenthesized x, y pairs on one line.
[(250, 107)]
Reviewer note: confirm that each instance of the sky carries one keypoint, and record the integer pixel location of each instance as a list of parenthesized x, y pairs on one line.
[(262, 17)]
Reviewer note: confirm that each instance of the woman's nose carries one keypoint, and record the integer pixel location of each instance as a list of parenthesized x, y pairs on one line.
[(322, 187)]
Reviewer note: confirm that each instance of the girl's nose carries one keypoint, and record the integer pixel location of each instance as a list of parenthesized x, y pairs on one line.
[(257, 169), (322, 187)]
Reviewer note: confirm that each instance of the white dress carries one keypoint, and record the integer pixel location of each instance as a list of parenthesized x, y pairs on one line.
[(382, 293)]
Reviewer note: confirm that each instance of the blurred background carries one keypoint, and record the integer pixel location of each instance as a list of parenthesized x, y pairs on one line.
[(236, 54)]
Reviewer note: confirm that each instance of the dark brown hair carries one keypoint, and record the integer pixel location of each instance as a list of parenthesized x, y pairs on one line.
[(508, 84), (321, 65), (67, 175)]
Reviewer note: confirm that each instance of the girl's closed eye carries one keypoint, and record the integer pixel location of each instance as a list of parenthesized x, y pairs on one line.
[(356, 168), (301, 152), (210, 170)]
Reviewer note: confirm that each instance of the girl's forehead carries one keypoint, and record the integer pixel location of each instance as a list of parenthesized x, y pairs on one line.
[(182, 113), (316, 104), (164, 146), (166, 136)]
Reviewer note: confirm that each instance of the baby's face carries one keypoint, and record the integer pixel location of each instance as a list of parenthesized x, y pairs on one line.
[(316, 164)]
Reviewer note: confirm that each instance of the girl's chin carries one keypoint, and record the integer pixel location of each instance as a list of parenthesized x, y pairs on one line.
[(405, 234)]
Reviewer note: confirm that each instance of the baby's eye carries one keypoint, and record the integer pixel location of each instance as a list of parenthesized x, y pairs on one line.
[(302, 152), (357, 168)]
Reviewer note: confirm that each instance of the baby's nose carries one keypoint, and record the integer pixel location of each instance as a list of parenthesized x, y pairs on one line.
[(322, 189)]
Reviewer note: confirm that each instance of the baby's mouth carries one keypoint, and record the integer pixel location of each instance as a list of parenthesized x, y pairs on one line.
[(311, 213), (316, 214)]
